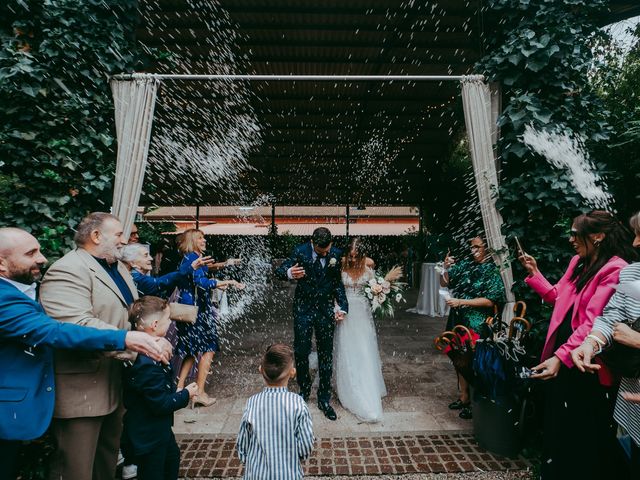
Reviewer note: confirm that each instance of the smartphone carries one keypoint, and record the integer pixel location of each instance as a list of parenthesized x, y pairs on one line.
[(519, 249), (527, 372)]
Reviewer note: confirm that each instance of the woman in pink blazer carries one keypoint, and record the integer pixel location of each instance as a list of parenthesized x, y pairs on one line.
[(578, 405)]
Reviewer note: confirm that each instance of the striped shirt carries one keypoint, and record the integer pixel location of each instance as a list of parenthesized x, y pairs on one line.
[(623, 309), (276, 432)]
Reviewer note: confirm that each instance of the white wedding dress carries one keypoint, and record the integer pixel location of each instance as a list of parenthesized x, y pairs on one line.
[(359, 381)]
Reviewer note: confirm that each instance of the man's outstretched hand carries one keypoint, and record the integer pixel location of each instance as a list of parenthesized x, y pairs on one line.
[(157, 348)]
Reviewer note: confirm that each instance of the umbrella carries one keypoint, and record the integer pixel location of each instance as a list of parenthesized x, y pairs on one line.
[(458, 344), (498, 355)]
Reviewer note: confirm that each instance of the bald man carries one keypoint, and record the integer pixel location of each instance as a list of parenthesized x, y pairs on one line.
[(27, 339)]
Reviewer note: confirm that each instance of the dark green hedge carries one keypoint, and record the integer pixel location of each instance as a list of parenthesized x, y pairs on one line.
[(56, 136)]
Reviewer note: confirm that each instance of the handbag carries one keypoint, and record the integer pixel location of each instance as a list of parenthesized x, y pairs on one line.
[(181, 312), (622, 359)]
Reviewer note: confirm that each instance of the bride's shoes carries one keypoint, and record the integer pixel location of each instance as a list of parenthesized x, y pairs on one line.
[(202, 400)]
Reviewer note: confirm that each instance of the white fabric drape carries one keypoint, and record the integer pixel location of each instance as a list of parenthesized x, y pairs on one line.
[(477, 105), (134, 102)]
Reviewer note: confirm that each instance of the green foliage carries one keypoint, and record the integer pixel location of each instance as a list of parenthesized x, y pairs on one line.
[(618, 84), (57, 138), (542, 57), (151, 232)]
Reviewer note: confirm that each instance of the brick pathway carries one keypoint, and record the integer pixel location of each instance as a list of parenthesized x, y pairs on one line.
[(215, 457)]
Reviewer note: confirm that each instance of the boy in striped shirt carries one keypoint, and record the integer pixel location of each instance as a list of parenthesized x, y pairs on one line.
[(276, 431)]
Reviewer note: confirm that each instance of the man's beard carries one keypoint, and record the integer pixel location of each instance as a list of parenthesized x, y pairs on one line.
[(26, 276), (112, 254)]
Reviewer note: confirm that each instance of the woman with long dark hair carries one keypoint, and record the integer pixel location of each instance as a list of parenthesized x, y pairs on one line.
[(359, 382), (615, 327), (578, 407)]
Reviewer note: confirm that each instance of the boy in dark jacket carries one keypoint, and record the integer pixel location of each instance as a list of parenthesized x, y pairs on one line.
[(150, 398)]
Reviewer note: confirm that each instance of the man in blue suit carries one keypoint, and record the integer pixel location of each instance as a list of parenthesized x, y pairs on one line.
[(316, 266), (27, 339)]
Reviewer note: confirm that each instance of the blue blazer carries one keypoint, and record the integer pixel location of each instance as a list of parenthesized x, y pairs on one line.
[(161, 286), (199, 279), (150, 397), (316, 293), (27, 339)]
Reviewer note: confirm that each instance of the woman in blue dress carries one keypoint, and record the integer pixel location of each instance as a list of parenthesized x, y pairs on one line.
[(199, 339)]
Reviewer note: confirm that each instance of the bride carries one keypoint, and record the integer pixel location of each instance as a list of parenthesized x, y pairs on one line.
[(359, 381)]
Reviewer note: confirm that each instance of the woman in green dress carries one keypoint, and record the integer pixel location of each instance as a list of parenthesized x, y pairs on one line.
[(477, 289)]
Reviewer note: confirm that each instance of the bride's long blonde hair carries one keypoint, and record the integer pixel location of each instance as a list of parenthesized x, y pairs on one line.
[(358, 264)]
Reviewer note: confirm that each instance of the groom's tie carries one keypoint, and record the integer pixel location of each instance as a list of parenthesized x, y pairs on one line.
[(317, 267)]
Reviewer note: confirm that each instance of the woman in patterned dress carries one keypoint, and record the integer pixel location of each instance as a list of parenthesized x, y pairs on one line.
[(199, 339), (477, 288)]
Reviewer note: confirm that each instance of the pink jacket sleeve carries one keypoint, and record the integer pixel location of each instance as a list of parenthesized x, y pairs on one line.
[(541, 285), (595, 306)]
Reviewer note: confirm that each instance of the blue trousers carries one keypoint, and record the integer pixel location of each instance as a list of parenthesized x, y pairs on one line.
[(162, 463), (305, 324)]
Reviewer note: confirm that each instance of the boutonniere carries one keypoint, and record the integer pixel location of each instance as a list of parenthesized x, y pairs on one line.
[(332, 262)]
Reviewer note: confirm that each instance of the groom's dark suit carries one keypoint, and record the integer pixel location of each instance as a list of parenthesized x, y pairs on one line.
[(313, 310)]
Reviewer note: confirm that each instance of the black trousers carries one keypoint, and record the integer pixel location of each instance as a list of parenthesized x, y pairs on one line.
[(579, 429), (9, 450), (304, 327), (162, 463)]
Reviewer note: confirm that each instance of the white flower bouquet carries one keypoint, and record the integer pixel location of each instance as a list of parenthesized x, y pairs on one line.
[(385, 292)]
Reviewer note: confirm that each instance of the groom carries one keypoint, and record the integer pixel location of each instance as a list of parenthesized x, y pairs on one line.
[(316, 267)]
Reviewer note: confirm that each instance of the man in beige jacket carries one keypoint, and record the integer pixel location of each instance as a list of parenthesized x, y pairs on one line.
[(89, 286)]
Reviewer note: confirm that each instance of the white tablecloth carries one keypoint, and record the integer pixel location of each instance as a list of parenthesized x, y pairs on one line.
[(429, 301)]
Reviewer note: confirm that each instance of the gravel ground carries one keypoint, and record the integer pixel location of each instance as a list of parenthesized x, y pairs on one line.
[(519, 475)]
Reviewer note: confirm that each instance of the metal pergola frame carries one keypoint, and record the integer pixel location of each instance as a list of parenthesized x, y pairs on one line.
[(334, 78), (313, 78)]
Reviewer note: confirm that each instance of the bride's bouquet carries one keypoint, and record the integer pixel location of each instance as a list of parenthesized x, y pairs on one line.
[(385, 292)]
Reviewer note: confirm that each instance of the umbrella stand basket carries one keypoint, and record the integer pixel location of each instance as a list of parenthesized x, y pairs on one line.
[(498, 426), (500, 390)]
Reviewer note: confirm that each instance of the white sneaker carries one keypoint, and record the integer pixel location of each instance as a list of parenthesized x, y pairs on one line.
[(120, 458), (129, 471)]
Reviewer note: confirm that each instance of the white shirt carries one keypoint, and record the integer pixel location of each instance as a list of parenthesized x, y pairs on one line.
[(28, 290)]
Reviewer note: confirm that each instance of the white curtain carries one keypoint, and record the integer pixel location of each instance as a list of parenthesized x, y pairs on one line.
[(134, 102), (477, 104)]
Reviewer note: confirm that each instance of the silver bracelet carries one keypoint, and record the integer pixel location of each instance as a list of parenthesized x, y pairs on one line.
[(601, 343)]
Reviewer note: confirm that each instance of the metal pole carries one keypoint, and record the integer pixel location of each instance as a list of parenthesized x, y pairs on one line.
[(198, 216), (347, 223), (273, 219), (317, 78)]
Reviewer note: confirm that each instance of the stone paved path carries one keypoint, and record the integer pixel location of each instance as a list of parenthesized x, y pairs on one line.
[(418, 434), (216, 457)]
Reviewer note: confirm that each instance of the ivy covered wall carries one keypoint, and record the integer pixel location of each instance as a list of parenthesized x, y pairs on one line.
[(57, 140), (542, 57)]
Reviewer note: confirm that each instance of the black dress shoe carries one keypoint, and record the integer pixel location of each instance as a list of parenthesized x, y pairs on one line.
[(458, 405), (466, 413), (328, 411)]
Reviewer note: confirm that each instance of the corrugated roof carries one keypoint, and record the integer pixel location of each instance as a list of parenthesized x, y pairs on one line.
[(306, 229), (169, 213), (312, 132)]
